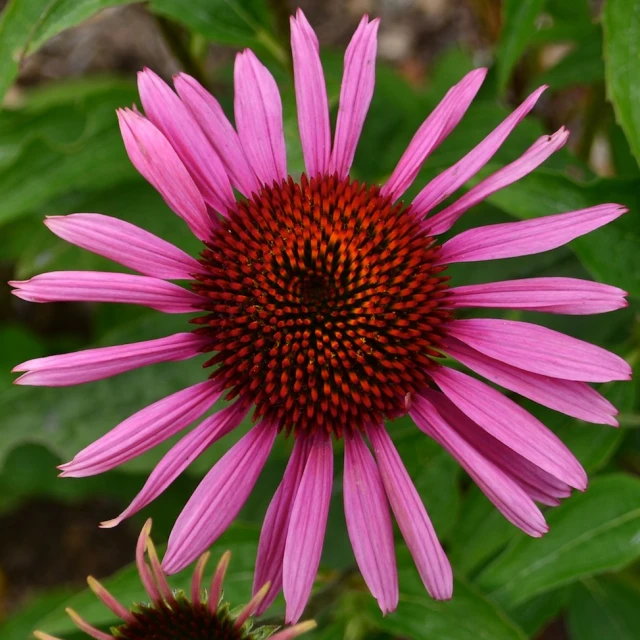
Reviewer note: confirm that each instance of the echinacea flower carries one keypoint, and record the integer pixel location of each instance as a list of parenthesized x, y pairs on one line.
[(175, 615), (326, 307)]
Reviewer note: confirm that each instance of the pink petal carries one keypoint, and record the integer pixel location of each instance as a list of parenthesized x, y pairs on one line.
[(311, 96), (412, 518), (576, 399), (181, 455), (258, 110), (511, 424), (356, 92), (96, 364), (167, 112), (219, 497), (528, 475), (524, 238), (276, 525), (124, 243), (219, 131), (510, 499), (144, 430), (307, 525), (540, 350), (154, 157), (532, 158), (369, 523), (440, 123), (551, 295), (96, 286), (441, 187)]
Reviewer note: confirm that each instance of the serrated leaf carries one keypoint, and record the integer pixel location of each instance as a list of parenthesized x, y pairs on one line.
[(621, 24), (589, 533)]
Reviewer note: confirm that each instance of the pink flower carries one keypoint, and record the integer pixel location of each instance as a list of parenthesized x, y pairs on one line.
[(169, 613), (325, 306)]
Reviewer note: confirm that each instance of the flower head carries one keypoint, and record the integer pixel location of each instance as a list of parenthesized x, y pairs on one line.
[(169, 615), (326, 308)]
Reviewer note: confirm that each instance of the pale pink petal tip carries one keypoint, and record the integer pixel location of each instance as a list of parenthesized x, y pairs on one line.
[(297, 630)]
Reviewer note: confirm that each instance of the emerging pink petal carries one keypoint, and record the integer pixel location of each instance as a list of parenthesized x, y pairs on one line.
[(124, 243), (258, 110), (311, 96), (307, 525), (576, 399), (96, 286), (511, 424), (551, 295), (356, 92), (369, 523), (154, 157), (440, 123), (144, 430), (412, 518), (163, 107), (441, 187), (532, 158), (219, 131), (218, 498), (512, 501), (524, 238), (96, 364), (276, 526), (540, 350), (181, 455)]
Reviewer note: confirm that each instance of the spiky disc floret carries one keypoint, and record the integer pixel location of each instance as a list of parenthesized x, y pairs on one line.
[(325, 304), (172, 615)]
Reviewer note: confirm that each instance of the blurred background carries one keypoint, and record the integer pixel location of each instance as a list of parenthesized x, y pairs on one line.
[(65, 65)]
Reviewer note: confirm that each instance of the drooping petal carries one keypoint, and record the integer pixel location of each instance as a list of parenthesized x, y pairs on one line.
[(530, 477), (441, 187), (297, 630), (575, 399), (511, 424), (219, 131), (532, 158), (510, 499), (540, 350), (124, 243), (96, 364), (258, 110), (154, 157), (144, 430), (97, 286), (181, 455), (369, 523), (358, 80), (570, 296), (442, 120), (167, 112), (307, 525), (219, 497), (412, 518), (526, 237), (273, 535), (311, 96)]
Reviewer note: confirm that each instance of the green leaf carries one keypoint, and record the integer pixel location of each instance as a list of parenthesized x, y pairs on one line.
[(25, 25), (64, 138), (605, 608), (518, 28), (125, 585), (611, 253), (621, 23), (467, 616), (238, 23), (534, 614), (590, 533)]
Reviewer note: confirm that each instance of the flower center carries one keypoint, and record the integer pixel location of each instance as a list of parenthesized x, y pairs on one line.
[(325, 304), (182, 620)]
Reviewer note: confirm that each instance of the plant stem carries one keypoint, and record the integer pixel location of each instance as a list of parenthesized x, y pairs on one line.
[(174, 38)]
